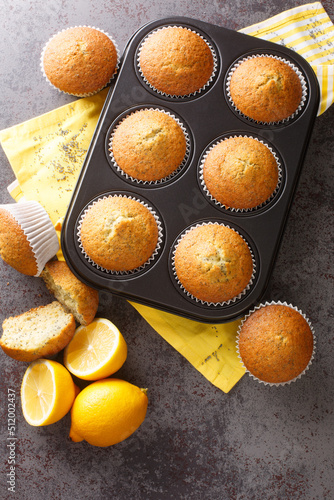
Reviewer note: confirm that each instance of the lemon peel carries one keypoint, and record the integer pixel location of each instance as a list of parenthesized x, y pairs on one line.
[(107, 412)]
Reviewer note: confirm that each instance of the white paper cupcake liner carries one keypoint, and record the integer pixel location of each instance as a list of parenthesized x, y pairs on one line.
[(88, 93), (38, 228), (296, 70), (164, 179), (214, 70), (309, 324), (232, 209), (204, 302), (132, 271)]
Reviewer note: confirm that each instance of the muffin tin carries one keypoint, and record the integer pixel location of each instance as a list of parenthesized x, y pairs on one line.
[(180, 200)]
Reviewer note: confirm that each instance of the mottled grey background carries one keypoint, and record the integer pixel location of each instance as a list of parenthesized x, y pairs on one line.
[(197, 442)]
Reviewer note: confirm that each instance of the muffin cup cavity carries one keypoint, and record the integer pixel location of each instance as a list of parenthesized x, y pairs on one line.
[(89, 93), (38, 228), (173, 96), (191, 297), (279, 58), (312, 331), (222, 205), (151, 259), (141, 181)]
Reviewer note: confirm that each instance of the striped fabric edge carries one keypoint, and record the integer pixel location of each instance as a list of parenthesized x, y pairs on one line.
[(308, 30)]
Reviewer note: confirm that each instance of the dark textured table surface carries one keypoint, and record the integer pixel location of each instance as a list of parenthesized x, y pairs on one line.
[(255, 442)]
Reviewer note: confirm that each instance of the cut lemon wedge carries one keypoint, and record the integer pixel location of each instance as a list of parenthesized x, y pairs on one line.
[(47, 392), (96, 350)]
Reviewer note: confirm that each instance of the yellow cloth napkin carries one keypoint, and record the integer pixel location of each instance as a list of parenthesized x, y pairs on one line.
[(47, 152)]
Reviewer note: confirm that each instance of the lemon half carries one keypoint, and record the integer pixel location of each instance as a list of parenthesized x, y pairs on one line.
[(96, 350), (47, 392)]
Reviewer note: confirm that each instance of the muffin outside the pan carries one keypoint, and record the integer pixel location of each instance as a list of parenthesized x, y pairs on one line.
[(119, 233), (79, 61), (176, 61), (148, 145), (240, 173), (276, 343), (213, 263), (28, 238), (265, 89)]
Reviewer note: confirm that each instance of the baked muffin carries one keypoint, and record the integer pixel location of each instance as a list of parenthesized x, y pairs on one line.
[(80, 60), (148, 145), (176, 61), (15, 249), (276, 343), (213, 263), (119, 233), (76, 297), (240, 172), (265, 89), (40, 332), (27, 237)]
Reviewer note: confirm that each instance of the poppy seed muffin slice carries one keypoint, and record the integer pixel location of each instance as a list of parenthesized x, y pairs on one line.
[(76, 297), (39, 332), (119, 233)]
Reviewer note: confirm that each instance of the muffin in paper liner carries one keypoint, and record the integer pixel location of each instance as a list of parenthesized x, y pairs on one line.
[(192, 297), (282, 59), (279, 336), (178, 96), (121, 273), (36, 225), (163, 179), (221, 204), (86, 94)]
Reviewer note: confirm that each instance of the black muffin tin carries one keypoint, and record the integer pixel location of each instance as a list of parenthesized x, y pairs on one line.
[(180, 202)]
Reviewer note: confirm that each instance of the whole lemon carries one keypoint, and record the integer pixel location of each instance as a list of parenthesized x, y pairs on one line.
[(107, 412)]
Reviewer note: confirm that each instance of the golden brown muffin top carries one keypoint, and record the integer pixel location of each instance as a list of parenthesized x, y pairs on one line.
[(276, 343), (265, 89), (149, 145), (80, 60), (119, 233), (213, 263), (15, 248), (240, 172), (176, 61)]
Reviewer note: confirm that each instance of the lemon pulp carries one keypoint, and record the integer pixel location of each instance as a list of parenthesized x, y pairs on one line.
[(96, 350), (47, 392)]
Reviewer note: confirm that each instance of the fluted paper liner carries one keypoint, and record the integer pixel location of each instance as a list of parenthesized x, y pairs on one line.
[(89, 93), (309, 324), (286, 61), (164, 179), (204, 302), (137, 269), (38, 228), (220, 204)]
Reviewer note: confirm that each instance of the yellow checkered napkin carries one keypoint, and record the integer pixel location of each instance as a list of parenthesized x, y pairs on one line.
[(47, 152)]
